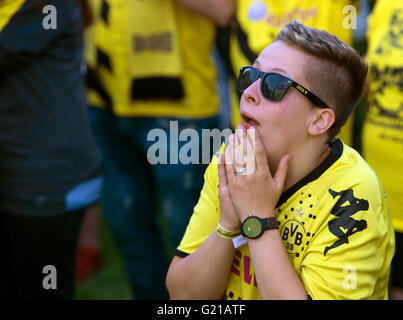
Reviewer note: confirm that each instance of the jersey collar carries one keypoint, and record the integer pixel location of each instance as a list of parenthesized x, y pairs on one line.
[(335, 153)]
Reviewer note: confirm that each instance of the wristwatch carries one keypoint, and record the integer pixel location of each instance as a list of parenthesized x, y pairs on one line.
[(253, 227)]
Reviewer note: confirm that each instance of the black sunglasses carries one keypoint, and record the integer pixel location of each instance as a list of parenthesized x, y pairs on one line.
[(273, 86)]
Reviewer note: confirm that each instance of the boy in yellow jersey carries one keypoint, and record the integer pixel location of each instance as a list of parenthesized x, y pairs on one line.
[(383, 126), (313, 216), (258, 22)]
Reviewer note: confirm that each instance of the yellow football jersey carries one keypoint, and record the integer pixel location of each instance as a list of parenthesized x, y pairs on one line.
[(259, 21), (335, 225), (383, 126)]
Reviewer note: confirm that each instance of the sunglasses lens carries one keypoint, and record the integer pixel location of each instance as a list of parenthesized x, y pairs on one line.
[(246, 78), (274, 87)]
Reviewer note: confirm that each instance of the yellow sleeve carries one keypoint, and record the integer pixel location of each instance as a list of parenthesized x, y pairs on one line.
[(7, 10), (205, 214), (355, 266)]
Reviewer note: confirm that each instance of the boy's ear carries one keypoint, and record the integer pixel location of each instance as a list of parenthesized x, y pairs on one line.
[(322, 120)]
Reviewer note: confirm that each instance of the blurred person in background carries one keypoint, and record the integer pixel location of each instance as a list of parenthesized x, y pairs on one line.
[(49, 164), (257, 23), (383, 125), (90, 257), (151, 66)]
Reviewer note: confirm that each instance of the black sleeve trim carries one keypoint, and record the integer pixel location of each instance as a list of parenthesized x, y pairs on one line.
[(309, 297), (181, 253)]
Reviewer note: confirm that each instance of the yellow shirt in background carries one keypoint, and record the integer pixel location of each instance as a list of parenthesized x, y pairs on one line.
[(383, 126), (196, 35)]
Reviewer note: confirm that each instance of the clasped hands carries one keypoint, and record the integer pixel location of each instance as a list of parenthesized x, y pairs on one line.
[(246, 185)]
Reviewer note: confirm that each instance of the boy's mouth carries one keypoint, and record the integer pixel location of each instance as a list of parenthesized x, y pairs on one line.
[(247, 120)]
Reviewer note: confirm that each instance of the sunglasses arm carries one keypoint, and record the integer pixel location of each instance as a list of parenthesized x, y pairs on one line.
[(313, 98)]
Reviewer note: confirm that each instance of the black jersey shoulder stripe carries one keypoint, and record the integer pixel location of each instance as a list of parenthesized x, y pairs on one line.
[(243, 43), (335, 153)]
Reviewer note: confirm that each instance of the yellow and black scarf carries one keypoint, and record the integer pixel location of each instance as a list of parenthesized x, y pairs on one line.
[(155, 58)]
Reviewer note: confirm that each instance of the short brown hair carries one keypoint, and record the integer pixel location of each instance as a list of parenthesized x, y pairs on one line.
[(336, 73)]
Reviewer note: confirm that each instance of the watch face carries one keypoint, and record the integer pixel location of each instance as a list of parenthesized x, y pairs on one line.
[(252, 227)]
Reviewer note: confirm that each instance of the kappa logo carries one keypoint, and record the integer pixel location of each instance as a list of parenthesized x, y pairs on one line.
[(345, 207)]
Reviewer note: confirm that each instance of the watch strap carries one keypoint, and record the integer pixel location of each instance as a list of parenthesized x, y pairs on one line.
[(270, 223), (251, 230)]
